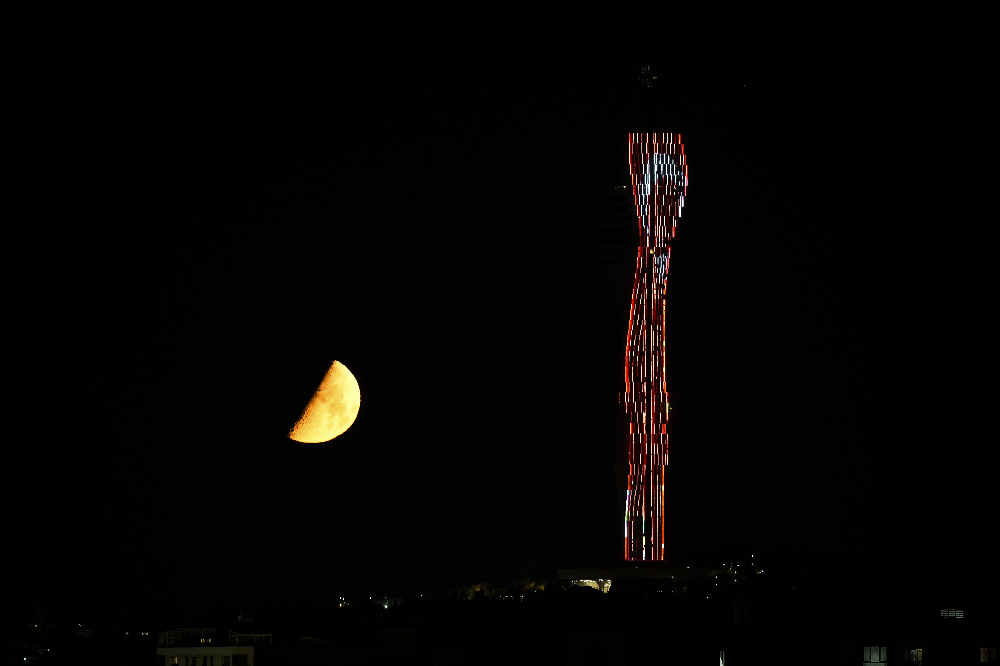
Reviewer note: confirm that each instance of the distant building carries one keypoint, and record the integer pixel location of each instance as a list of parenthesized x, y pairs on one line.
[(172, 636), (197, 655), (226, 647), (208, 647), (600, 584)]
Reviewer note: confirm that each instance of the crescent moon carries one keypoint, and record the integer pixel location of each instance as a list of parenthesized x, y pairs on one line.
[(332, 408)]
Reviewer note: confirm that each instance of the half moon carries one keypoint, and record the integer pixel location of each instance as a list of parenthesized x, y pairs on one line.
[(332, 409)]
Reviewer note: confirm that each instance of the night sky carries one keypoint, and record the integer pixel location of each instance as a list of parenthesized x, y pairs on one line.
[(220, 218)]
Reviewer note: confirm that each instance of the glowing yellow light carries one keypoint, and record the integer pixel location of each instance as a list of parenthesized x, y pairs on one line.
[(332, 409)]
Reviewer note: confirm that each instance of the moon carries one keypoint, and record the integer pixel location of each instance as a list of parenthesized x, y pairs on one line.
[(332, 409)]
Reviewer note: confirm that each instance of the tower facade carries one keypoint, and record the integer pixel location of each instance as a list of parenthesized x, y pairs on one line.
[(659, 178)]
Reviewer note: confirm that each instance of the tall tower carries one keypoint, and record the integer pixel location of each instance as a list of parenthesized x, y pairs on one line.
[(645, 192), (659, 177)]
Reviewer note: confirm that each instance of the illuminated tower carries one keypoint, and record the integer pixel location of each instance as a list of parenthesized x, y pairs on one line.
[(659, 178)]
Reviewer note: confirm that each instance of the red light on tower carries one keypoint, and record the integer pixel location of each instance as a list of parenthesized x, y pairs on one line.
[(659, 173)]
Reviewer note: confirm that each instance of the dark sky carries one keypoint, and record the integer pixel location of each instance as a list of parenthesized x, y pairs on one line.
[(220, 218)]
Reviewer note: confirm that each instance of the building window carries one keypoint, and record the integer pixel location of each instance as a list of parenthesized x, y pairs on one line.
[(225, 660), (239, 660), (952, 612), (914, 654), (987, 655), (875, 654)]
